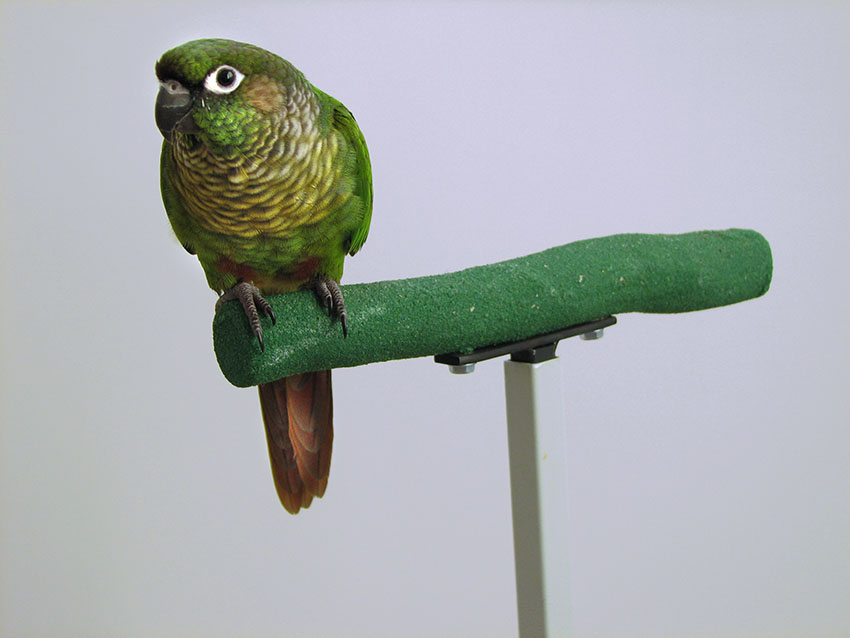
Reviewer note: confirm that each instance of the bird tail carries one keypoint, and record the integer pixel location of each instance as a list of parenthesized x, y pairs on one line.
[(298, 414)]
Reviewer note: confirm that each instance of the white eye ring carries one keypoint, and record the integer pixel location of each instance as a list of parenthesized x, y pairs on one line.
[(223, 80)]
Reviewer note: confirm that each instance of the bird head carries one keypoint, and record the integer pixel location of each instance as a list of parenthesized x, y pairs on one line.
[(222, 93)]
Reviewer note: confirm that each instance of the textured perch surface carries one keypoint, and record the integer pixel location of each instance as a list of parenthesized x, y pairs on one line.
[(505, 301)]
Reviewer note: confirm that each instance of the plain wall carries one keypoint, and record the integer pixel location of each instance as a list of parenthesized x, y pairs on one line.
[(709, 453)]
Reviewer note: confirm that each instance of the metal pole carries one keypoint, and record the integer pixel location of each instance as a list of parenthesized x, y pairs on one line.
[(536, 443)]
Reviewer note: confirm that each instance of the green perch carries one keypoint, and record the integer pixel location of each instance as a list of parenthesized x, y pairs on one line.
[(502, 302)]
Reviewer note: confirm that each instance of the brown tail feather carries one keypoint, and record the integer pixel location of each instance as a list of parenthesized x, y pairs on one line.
[(298, 414)]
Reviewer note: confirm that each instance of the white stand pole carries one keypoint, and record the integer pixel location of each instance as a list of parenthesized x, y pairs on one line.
[(536, 442)]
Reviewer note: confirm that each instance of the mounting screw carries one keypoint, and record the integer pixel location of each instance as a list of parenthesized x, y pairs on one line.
[(593, 335), (464, 368)]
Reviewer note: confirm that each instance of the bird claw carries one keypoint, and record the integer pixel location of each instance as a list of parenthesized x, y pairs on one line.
[(253, 303), (330, 296)]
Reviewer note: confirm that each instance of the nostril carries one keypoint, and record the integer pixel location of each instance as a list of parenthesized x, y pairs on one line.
[(173, 87)]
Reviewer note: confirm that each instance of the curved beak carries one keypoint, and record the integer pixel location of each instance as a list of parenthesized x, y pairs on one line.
[(174, 109)]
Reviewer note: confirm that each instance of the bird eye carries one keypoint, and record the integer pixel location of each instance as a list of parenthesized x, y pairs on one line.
[(223, 80)]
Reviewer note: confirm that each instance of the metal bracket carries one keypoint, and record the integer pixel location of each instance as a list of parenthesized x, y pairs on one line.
[(531, 350)]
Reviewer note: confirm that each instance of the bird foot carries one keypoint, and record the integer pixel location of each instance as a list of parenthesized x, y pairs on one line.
[(330, 296), (253, 303)]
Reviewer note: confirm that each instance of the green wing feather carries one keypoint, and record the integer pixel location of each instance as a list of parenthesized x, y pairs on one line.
[(344, 123), (171, 199)]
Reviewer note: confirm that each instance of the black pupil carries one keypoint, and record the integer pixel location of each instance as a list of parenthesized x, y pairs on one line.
[(226, 77)]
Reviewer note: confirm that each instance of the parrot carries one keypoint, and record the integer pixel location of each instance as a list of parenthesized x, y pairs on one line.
[(268, 181)]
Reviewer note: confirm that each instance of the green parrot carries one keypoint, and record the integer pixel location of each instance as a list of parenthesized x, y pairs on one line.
[(267, 180)]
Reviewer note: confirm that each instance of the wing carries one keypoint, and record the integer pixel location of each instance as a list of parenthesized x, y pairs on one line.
[(345, 123), (359, 168), (177, 214)]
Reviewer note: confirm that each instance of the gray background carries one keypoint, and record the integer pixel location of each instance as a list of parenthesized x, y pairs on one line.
[(709, 453)]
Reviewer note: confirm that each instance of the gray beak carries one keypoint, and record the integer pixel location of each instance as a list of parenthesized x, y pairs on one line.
[(174, 109)]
